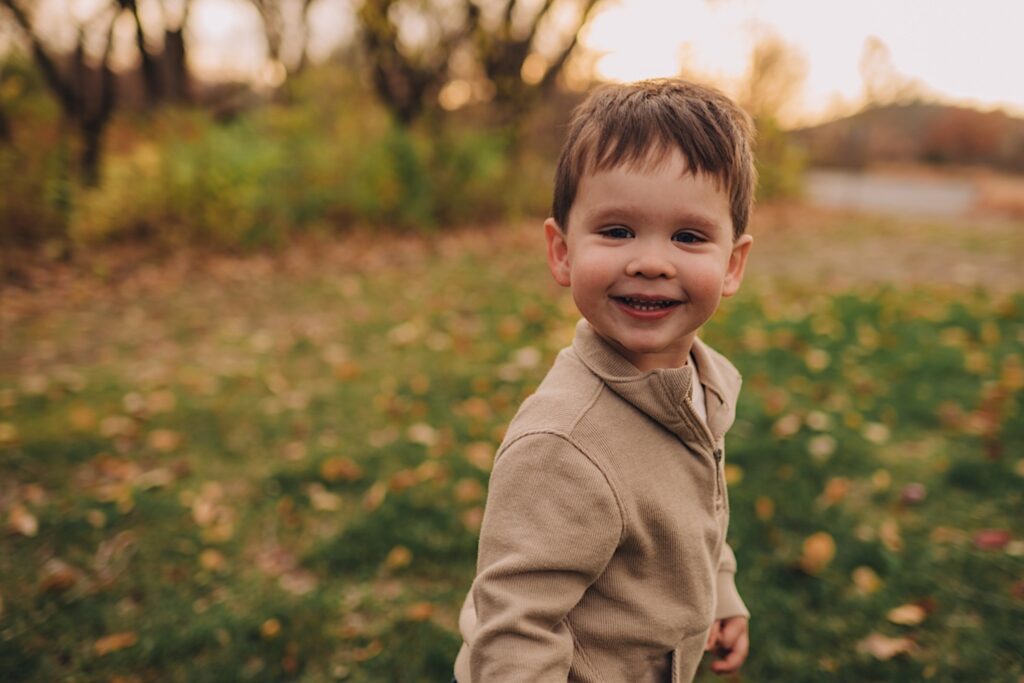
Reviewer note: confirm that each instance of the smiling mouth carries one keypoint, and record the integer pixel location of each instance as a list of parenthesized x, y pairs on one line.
[(640, 304)]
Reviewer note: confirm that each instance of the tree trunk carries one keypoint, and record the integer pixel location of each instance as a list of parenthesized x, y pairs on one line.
[(177, 86)]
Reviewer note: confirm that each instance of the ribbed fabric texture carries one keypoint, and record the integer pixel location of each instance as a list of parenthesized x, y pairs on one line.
[(602, 551)]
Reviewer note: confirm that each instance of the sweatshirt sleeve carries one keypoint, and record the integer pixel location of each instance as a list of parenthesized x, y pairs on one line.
[(729, 603), (551, 525)]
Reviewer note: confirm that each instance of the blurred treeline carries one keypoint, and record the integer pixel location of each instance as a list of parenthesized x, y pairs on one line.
[(455, 122)]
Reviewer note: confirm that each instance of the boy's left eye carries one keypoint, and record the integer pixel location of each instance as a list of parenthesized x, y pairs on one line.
[(687, 237)]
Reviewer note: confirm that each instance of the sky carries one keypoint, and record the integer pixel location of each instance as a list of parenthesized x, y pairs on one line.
[(965, 52), (960, 52)]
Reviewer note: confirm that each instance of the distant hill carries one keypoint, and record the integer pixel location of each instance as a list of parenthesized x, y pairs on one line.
[(917, 132)]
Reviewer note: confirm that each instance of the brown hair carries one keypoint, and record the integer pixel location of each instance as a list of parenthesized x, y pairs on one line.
[(620, 124)]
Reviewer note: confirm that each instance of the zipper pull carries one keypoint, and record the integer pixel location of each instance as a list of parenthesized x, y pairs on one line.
[(718, 455)]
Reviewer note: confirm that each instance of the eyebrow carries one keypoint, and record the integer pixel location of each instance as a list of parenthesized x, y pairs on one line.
[(618, 212)]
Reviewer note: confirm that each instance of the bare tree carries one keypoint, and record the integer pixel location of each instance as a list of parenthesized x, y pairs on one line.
[(407, 73), (86, 92), (163, 62), (774, 79), (508, 50), (516, 49), (883, 83), (286, 30)]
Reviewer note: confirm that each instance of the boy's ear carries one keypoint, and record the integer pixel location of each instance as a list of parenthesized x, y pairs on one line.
[(737, 265), (558, 252)]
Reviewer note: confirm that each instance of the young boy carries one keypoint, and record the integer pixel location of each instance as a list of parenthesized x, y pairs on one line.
[(602, 551)]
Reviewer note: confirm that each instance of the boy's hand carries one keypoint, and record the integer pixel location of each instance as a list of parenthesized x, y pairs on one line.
[(729, 638)]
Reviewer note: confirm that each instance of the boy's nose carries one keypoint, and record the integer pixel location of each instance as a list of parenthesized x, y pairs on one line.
[(650, 263)]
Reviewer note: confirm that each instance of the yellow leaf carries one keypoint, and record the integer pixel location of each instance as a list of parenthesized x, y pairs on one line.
[(866, 580), (340, 469), (472, 519), (402, 480), (821, 447), (21, 521), (480, 454), (212, 560), (82, 418), (733, 474), (322, 499), (399, 557), (270, 629), (115, 642), (369, 652), (163, 440), (58, 576), (889, 532), (419, 611), (881, 480), (375, 496), (835, 490), (422, 433), (883, 647), (8, 433), (818, 551), (786, 426), (875, 432), (468, 491), (907, 615), (764, 507)]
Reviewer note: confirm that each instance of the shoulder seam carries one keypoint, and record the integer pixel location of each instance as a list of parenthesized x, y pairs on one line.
[(623, 516)]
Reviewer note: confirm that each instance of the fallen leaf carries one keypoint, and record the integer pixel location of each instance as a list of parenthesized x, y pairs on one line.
[(889, 532), (374, 496), (163, 440), (340, 469), (422, 433), (821, 447), (82, 418), (480, 454), (399, 557), (154, 479), (369, 652), (836, 490), (298, 582), (875, 432), (883, 647), (322, 499), (818, 550), (468, 491), (881, 480), (270, 629), (58, 576), (913, 493), (212, 560), (419, 611), (21, 521), (115, 642), (907, 615), (402, 480), (764, 508), (866, 580), (992, 539), (472, 519), (786, 426)]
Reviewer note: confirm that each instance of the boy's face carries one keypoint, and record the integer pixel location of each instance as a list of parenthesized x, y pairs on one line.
[(649, 255)]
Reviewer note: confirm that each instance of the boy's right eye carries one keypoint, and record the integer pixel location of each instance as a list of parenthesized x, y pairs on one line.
[(617, 232)]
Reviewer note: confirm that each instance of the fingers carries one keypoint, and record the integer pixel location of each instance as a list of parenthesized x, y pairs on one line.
[(713, 636), (734, 643)]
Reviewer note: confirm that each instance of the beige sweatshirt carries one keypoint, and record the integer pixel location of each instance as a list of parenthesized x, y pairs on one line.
[(602, 551)]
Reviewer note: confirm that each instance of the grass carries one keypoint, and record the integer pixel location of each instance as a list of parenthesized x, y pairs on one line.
[(272, 468)]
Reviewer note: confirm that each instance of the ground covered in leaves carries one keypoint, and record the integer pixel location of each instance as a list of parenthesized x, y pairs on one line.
[(272, 468)]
